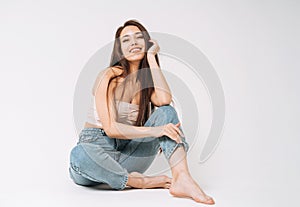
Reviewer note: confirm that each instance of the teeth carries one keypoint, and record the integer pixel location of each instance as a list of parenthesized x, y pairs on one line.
[(136, 50)]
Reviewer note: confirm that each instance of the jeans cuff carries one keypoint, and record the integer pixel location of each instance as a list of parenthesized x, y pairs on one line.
[(183, 144), (124, 182)]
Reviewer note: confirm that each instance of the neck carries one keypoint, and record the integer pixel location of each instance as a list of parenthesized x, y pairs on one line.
[(134, 66)]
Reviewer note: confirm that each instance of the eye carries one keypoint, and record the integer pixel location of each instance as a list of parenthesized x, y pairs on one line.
[(125, 40), (140, 37)]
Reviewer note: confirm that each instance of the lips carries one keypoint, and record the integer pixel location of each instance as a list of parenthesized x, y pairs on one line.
[(135, 49)]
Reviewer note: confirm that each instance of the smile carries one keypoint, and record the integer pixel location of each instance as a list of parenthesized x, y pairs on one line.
[(135, 50)]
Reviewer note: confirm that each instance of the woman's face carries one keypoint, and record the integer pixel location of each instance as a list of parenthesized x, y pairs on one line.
[(132, 43)]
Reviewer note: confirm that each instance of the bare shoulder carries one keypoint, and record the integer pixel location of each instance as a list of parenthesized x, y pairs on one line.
[(101, 76), (105, 71)]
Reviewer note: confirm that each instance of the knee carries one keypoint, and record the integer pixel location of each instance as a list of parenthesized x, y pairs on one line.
[(79, 154), (167, 111), (76, 154), (163, 115)]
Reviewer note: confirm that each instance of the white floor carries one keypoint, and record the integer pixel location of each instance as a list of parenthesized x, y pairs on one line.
[(71, 195), (49, 185)]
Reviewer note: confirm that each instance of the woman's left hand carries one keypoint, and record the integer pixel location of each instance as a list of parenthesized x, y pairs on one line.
[(154, 49)]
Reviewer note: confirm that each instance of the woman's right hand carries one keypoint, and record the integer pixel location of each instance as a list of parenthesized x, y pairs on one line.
[(170, 130)]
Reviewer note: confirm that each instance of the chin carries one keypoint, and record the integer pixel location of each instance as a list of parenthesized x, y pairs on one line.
[(136, 57)]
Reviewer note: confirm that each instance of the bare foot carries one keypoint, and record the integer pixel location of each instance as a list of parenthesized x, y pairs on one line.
[(138, 180), (185, 186)]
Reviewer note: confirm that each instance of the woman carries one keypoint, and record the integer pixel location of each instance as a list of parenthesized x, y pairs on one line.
[(124, 133)]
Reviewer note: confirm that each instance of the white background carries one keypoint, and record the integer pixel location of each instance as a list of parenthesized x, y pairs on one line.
[(253, 45)]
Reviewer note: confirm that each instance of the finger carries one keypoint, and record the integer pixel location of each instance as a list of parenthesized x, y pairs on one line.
[(181, 133), (170, 132), (177, 136), (178, 124), (153, 41), (173, 136), (169, 135), (179, 139), (178, 130)]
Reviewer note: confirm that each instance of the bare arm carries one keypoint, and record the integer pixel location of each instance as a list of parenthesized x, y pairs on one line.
[(162, 93), (107, 114), (103, 91)]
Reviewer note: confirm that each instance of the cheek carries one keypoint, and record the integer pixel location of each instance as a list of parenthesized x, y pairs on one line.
[(124, 48), (141, 42)]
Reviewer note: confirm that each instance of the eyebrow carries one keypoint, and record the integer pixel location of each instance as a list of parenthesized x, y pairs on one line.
[(134, 33)]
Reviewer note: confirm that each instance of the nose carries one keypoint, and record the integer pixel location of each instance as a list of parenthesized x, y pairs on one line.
[(133, 42)]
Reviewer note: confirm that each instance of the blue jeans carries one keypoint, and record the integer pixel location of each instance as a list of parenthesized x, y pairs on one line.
[(98, 158)]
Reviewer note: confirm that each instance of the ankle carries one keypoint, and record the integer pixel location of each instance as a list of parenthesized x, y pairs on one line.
[(179, 174), (136, 182)]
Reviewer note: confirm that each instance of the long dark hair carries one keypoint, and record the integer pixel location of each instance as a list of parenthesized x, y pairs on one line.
[(143, 74)]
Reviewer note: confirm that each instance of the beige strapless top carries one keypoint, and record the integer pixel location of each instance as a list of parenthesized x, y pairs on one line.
[(126, 113)]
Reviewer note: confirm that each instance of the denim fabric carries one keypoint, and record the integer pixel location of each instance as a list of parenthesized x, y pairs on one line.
[(98, 158)]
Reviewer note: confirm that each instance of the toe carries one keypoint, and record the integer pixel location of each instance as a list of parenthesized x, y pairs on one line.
[(167, 186), (169, 180), (206, 200), (210, 201)]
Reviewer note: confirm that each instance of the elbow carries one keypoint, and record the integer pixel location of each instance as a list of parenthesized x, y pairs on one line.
[(107, 129), (163, 104), (165, 101), (110, 131)]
